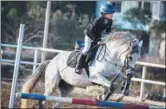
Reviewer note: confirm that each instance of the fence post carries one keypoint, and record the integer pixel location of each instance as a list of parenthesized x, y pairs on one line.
[(16, 66), (46, 28), (164, 95), (35, 59), (142, 83)]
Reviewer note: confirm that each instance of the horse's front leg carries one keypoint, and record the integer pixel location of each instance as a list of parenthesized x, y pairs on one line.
[(124, 90), (99, 79), (109, 90), (107, 93)]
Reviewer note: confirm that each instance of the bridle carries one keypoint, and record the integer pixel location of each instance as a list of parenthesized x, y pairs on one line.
[(126, 68), (126, 63)]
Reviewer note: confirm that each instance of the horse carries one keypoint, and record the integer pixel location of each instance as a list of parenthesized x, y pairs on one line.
[(117, 56)]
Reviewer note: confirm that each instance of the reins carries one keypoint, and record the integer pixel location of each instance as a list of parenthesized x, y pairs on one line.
[(103, 58)]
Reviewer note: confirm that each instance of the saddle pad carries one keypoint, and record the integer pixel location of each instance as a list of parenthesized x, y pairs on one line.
[(72, 59)]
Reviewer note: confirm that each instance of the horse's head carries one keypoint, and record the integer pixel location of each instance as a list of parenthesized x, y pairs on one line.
[(131, 56), (126, 48)]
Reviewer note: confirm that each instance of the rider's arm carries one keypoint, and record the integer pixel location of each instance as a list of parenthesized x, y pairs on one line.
[(95, 30), (108, 30)]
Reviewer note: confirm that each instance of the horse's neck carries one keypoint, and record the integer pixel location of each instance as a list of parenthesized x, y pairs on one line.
[(107, 57), (110, 55), (102, 65)]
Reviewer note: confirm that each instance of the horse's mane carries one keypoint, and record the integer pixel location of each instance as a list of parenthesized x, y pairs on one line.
[(121, 37)]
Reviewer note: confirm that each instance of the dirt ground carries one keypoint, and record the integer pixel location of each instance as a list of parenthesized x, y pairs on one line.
[(6, 88), (5, 96)]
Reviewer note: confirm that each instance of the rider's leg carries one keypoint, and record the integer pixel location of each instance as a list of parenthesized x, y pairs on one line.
[(81, 60), (80, 63), (87, 45)]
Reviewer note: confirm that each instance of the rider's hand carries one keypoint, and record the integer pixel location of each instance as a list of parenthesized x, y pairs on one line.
[(100, 43)]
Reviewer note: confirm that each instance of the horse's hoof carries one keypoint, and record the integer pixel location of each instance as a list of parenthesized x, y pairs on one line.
[(119, 97), (98, 97)]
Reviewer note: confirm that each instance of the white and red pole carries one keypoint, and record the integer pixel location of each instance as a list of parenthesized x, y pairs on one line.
[(83, 101)]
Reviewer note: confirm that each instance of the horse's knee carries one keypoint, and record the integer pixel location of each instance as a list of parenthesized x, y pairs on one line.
[(49, 87), (48, 91)]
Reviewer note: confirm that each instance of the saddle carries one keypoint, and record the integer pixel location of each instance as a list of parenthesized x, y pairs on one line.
[(74, 56)]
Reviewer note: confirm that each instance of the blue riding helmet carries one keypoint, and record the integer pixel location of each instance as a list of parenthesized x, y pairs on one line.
[(107, 9)]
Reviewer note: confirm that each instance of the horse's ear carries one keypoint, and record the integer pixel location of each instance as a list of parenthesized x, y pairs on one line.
[(140, 43)]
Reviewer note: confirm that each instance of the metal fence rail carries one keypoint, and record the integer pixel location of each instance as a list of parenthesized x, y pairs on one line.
[(143, 80)]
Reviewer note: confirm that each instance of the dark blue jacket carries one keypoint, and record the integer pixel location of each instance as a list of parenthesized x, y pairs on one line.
[(94, 30)]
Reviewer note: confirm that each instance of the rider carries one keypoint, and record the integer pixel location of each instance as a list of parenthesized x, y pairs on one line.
[(94, 31)]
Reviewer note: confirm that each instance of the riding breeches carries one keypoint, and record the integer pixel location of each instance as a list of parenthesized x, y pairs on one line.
[(87, 45)]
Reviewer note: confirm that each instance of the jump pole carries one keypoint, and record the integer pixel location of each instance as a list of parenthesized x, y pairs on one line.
[(82, 101), (16, 66)]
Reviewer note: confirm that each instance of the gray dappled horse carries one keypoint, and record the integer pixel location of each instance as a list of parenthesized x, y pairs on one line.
[(111, 64)]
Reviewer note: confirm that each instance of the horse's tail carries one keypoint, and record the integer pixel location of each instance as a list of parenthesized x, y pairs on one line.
[(31, 82)]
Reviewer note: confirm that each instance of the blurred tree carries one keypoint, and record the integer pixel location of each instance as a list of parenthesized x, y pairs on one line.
[(137, 15), (69, 26), (14, 13), (68, 23), (11, 14), (156, 30), (158, 27)]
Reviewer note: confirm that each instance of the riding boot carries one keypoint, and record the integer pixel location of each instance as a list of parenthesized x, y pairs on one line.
[(80, 63)]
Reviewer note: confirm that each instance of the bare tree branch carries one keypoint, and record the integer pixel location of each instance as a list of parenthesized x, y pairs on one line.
[(8, 26), (35, 36)]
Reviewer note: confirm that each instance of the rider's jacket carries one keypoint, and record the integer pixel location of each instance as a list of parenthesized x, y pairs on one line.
[(97, 28)]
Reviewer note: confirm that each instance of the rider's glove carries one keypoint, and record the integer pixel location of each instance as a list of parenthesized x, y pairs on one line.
[(100, 43)]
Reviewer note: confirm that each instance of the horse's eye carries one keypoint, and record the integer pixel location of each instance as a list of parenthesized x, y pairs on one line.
[(130, 57)]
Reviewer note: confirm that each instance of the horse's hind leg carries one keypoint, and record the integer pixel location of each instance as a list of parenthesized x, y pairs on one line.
[(52, 80), (48, 91), (65, 89)]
